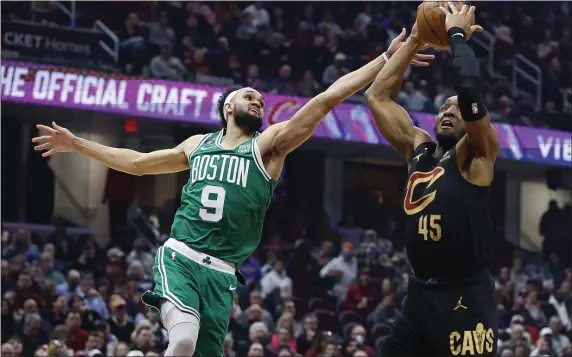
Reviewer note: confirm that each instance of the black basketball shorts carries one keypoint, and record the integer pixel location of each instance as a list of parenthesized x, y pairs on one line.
[(446, 320)]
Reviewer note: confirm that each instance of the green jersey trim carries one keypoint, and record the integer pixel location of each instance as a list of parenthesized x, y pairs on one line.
[(219, 139), (201, 142), (258, 159)]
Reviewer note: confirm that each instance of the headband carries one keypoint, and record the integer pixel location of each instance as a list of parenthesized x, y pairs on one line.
[(229, 98)]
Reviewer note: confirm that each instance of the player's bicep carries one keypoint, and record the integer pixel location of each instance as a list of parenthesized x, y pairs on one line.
[(483, 139), (396, 126), (168, 160)]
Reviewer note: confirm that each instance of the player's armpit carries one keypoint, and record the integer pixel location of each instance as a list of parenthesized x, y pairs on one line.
[(396, 126)]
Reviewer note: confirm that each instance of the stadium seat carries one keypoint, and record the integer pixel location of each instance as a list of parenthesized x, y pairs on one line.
[(327, 320), (318, 304), (380, 330), (351, 316)]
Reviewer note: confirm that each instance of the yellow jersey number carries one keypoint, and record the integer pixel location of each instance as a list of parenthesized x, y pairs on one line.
[(433, 230)]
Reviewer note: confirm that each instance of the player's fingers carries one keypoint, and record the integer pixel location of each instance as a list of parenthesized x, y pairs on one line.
[(46, 128), (476, 28), (49, 153), (43, 146), (419, 63), (445, 10), (41, 139), (471, 11), (465, 9), (421, 56), (453, 8), (401, 36), (56, 126)]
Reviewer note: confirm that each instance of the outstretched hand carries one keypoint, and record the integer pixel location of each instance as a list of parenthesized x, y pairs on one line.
[(418, 60), (462, 19), (59, 140)]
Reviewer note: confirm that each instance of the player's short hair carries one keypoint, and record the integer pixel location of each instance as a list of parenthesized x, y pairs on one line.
[(222, 98)]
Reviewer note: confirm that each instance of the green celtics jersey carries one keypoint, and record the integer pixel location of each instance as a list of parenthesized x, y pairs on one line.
[(224, 202)]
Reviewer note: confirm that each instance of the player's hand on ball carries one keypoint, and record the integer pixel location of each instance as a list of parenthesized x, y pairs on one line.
[(419, 59), (59, 140), (461, 19)]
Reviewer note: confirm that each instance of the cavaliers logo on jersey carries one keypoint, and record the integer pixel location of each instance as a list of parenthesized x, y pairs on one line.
[(411, 206)]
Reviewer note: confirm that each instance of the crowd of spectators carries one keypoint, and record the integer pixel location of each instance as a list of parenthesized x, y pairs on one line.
[(301, 48), (310, 292)]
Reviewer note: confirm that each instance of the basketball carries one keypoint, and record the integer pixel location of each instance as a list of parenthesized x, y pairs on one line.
[(431, 22)]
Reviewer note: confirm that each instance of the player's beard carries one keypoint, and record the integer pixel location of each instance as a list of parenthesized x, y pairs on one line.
[(447, 141), (247, 122)]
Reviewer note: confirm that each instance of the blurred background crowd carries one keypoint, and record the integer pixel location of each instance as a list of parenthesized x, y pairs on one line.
[(300, 49), (315, 289)]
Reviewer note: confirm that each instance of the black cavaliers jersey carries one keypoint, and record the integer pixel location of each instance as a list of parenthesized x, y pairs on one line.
[(449, 232)]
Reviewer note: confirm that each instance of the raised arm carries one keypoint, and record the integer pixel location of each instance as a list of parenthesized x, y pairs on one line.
[(282, 138), (481, 135), (129, 161), (392, 120)]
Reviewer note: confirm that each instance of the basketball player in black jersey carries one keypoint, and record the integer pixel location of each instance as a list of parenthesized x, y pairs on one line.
[(450, 309)]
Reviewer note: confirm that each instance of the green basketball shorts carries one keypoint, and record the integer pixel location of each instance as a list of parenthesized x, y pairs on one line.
[(197, 284)]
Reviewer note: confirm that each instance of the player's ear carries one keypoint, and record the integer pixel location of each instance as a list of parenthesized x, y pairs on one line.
[(229, 108)]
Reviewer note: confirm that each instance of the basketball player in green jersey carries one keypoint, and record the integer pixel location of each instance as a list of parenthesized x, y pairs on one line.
[(233, 173)]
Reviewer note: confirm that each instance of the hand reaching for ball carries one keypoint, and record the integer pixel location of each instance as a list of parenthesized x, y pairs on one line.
[(462, 19), (419, 59)]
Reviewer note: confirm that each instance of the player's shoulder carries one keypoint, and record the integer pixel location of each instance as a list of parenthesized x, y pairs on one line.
[(192, 142)]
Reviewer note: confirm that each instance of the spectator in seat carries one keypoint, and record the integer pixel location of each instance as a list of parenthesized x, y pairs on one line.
[(26, 289), (560, 343), (308, 86), (385, 312), (359, 334), (121, 350), (547, 46), (91, 297), (336, 70), (119, 323), (342, 270), (70, 286), (161, 32), (412, 98), (256, 304), (77, 337), (49, 274), (256, 350), (144, 340), (363, 297), (32, 334), (95, 341), (282, 338), (166, 66), (284, 83), (86, 263), (277, 278), (22, 244), (310, 328), (350, 231), (139, 253), (534, 308), (260, 16), (63, 244)]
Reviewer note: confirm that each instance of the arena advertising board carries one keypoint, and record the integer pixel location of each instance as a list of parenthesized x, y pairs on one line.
[(195, 103), (45, 43)]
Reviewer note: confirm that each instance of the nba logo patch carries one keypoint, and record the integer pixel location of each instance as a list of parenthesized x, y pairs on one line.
[(173, 256), (474, 108)]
